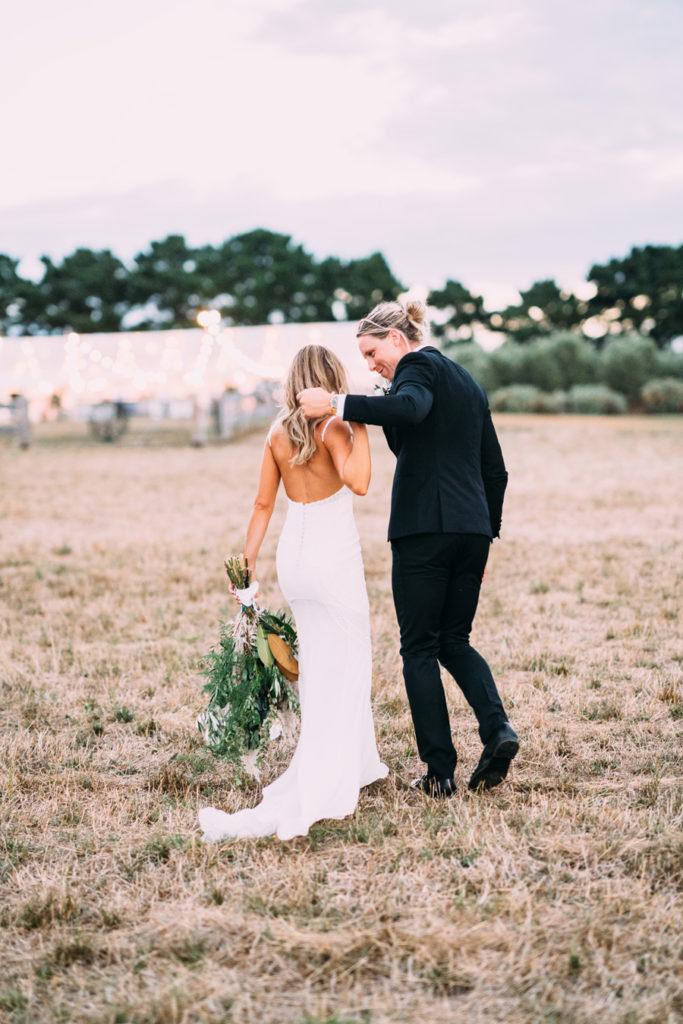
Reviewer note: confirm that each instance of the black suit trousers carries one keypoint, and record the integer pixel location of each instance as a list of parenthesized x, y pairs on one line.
[(436, 579)]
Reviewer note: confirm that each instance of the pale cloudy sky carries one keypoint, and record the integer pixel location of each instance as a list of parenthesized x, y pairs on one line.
[(491, 141)]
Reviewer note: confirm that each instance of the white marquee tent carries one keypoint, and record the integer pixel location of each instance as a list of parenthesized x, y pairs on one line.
[(164, 365)]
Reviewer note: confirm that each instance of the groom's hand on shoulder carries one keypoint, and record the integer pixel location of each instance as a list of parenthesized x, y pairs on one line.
[(314, 402)]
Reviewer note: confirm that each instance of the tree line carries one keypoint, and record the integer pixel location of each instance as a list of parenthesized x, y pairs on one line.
[(262, 276)]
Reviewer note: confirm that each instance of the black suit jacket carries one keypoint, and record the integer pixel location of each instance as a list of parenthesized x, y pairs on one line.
[(450, 475)]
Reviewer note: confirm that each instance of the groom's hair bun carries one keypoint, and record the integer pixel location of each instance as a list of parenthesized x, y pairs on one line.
[(416, 311), (409, 318)]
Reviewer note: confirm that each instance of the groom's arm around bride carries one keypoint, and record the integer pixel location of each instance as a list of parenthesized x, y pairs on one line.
[(450, 474)]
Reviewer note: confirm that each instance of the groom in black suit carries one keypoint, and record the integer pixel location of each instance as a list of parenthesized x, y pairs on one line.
[(446, 508)]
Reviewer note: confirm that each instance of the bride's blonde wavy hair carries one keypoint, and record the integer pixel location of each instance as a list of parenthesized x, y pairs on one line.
[(314, 366)]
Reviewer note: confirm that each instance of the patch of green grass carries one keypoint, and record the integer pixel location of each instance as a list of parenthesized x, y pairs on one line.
[(467, 858), (147, 728), (445, 982), (123, 714), (158, 850), (77, 950), (12, 1000), (359, 833), (603, 711), (46, 910), (600, 766), (546, 662), (575, 963), (110, 918), (13, 852), (189, 950), (94, 717)]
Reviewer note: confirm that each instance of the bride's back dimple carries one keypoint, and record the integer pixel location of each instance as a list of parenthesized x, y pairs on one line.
[(312, 481)]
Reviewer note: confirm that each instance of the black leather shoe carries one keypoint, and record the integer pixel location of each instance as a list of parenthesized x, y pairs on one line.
[(495, 759), (433, 786)]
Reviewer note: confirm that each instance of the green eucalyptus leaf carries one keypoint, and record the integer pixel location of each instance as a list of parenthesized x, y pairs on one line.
[(264, 651)]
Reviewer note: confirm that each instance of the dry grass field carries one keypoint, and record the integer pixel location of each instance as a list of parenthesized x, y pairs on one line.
[(555, 898)]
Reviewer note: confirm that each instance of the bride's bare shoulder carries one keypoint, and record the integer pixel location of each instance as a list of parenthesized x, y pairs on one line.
[(335, 428), (276, 429)]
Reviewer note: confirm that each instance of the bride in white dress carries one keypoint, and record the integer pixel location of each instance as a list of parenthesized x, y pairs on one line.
[(322, 463)]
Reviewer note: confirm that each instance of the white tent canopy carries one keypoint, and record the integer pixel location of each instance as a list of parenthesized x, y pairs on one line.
[(131, 366)]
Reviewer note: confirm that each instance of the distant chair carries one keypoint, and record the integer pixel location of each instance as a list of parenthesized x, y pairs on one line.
[(235, 413), (108, 421), (200, 423), (19, 423)]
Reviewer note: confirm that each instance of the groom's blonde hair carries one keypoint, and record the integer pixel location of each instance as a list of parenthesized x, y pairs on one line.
[(409, 318), (314, 366)]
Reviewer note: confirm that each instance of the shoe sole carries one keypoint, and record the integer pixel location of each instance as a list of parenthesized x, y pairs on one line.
[(497, 768)]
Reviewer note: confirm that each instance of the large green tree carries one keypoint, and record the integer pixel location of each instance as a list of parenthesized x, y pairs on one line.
[(463, 309), (13, 293), (544, 308), (364, 282), (642, 291), (165, 285), (85, 291), (261, 276)]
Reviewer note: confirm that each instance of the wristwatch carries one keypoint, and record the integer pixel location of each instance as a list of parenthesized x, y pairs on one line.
[(334, 399)]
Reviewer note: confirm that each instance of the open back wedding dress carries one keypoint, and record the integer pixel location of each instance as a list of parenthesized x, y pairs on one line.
[(320, 573)]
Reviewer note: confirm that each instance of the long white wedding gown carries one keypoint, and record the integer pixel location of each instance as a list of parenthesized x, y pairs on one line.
[(320, 573)]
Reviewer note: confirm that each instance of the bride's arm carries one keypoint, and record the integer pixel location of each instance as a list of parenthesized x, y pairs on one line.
[(351, 455), (264, 503)]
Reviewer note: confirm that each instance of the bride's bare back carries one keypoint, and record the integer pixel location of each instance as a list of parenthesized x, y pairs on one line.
[(320, 476), (342, 457)]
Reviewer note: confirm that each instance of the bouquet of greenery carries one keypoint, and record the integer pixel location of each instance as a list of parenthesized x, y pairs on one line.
[(249, 675)]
